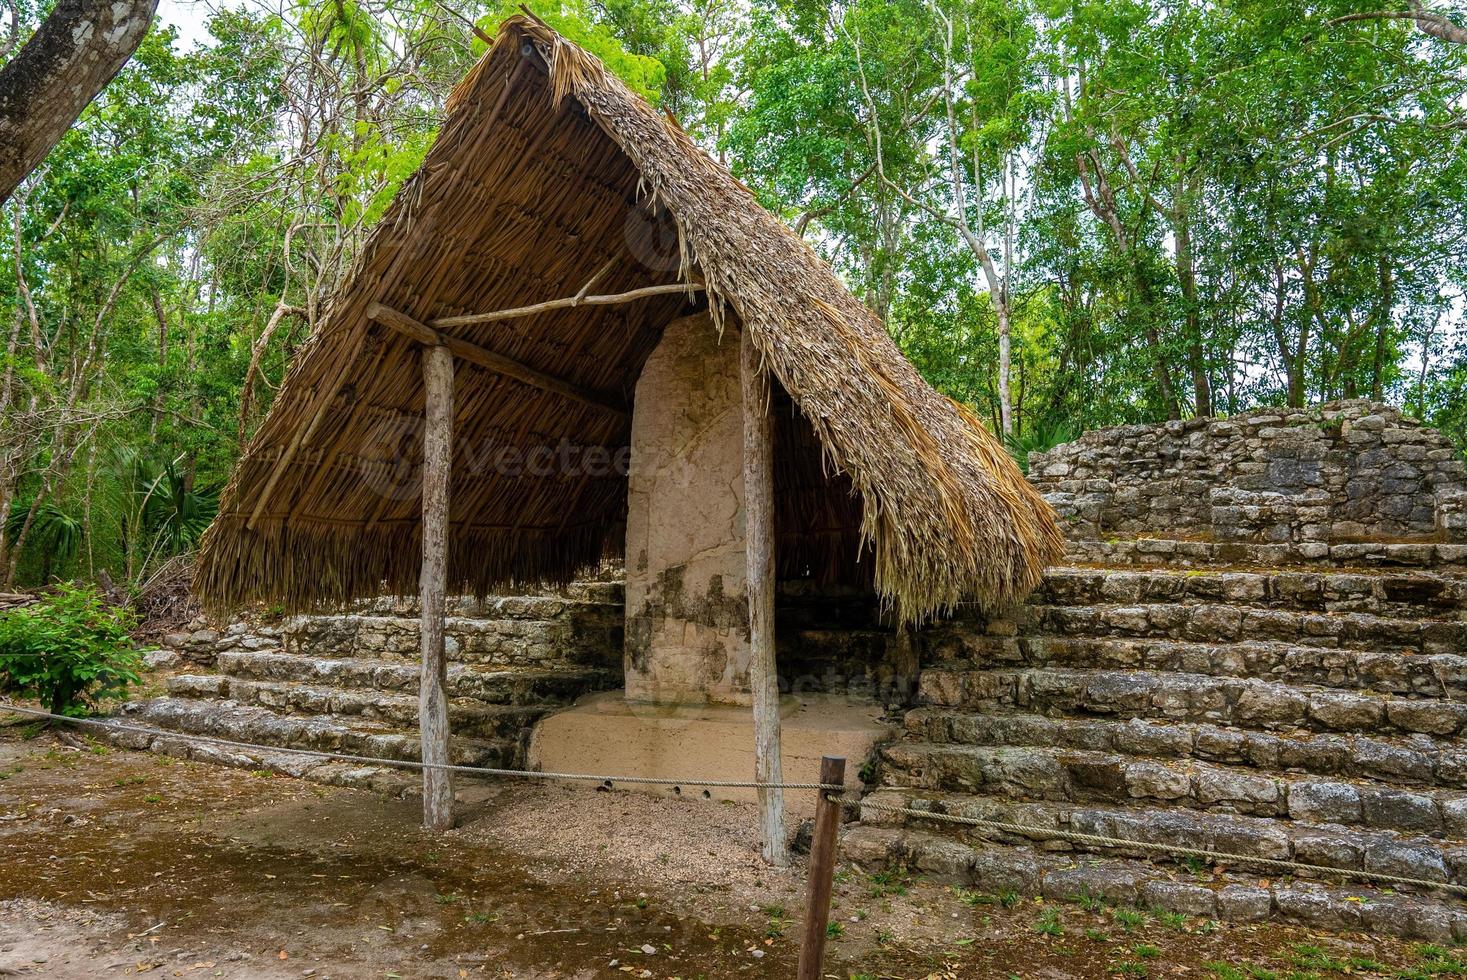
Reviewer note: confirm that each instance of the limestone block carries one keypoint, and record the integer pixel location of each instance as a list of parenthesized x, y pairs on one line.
[(1324, 802), (687, 609)]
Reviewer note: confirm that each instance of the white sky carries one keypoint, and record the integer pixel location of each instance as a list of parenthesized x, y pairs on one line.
[(190, 17)]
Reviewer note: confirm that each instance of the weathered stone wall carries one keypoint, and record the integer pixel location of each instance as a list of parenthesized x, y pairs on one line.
[(1347, 471), (580, 627)]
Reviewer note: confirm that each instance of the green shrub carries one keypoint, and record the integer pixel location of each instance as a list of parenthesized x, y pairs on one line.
[(68, 651)]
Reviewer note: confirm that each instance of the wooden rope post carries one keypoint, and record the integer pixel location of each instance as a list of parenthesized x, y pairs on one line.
[(432, 694), (759, 542), (822, 870)]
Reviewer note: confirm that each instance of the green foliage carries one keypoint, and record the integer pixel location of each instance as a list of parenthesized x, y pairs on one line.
[(161, 513), (1037, 439), (69, 651), (1229, 203), (52, 533), (1049, 923), (574, 20)]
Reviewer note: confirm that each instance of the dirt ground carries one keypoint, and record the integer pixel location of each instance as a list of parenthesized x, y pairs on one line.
[(115, 863)]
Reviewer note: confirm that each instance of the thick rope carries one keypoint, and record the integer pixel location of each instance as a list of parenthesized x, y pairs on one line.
[(414, 764), (1173, 850), (1021, 830)]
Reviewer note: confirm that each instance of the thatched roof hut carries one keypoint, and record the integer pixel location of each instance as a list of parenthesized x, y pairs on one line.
[(550, 175)]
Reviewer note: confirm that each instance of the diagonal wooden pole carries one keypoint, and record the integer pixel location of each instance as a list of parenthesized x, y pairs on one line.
[(432, 694), (759, 541)]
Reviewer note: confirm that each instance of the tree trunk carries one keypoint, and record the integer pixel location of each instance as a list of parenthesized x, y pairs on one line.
[(432, 694), (1005, 368), (759, 542), (80, 46), (1192, 316)]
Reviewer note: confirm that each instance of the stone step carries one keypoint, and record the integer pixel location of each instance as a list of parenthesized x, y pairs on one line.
[(1061, 775), (1213, 622), (996, 869), (466, 716), (1323, 845), (504, 642), (1405, 673), (1383, 593), (505, 604), (1403, 760), (1153, 551), (1189, 697), (464, 680), (146, 737), (324, 733)]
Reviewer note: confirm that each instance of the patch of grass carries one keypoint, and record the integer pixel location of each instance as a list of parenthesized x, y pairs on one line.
[(1145, 952), (1049, 924), (1312, 957), (1089, 902), (973, 899), (124, 780), (1097, 935), (1131, 968), (1196, 867), (152, 798), (893, 881), (1128, 919), (1225, 971), (1008, 899), (1172, 920), (449, 899), (835, 930), (1434, 961)]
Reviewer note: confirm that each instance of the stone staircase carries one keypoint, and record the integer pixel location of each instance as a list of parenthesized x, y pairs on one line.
[(349, 684), (1174, 693), (1280, 675)]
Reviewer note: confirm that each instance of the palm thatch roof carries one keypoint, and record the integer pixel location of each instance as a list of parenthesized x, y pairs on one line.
[(548, 172)]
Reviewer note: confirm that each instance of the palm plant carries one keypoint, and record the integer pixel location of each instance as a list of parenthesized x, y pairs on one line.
[(54, 534), (162, 512), (1036, 439)]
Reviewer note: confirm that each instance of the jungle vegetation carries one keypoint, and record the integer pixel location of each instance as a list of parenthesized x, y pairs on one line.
[(1069, 213)]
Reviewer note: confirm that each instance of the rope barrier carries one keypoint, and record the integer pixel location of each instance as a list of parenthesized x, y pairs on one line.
[(1174, 850), (414, 764), (999, 826)]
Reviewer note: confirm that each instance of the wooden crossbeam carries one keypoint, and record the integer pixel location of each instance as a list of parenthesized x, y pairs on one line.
[(570, 301), (507, 366)]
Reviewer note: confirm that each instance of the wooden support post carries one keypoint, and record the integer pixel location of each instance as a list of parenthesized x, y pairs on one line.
[(759, 541), (822, 871), (432, 695)]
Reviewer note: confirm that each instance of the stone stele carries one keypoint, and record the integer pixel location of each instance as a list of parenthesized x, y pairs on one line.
[(686, 602)]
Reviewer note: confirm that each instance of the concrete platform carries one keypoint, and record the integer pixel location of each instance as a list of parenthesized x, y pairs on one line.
[(605, 733)]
